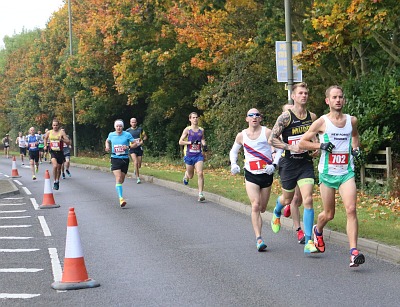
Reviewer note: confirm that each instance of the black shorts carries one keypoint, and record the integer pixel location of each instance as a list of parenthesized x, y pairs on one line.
[(291, 171), (262, 180), (137, 151), (34, 155), (120, 164), (22, 151), (58, 155)]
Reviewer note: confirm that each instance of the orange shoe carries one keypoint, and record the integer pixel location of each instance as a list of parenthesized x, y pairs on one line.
[(318, 240)]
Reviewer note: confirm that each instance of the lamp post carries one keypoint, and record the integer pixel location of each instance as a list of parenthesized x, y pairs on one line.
[(288, 31), (73, 98)]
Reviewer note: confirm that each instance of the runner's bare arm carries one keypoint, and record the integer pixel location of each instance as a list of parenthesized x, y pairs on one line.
[(274, 139), (307, 141)]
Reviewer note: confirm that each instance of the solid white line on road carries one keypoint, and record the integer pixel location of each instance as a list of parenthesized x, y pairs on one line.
[(18, 295), (14, 217), (15, 238), (20, 270), (13, 211), (45, 227), (13, 198), (15, 226), (55, 264), (19, 250), (19, 204), (35, 204), (17, 182), (26, 191)]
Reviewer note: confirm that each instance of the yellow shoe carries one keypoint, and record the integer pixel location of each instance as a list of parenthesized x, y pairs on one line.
[(122, 202)]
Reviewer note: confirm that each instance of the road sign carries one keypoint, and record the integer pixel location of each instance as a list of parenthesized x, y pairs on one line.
[(281, 61)]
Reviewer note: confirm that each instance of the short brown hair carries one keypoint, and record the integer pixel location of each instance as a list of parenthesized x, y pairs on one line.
[(328, 90), (302, 84)]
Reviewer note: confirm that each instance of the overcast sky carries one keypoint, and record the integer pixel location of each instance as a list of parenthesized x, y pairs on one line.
[(28, 14)]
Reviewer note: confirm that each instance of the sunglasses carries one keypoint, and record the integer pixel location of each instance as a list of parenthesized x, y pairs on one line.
[(256, 115)]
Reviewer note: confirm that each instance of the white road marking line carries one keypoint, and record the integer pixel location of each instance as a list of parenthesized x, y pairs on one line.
[(15, 226), (13, 211), (20, 270), (13, 198), (26, 191), (14, 217), (19, 204), (15, 238), (45, 227), (19, 250), (18, 295), (17, 181), (55, 264), (35, 204)]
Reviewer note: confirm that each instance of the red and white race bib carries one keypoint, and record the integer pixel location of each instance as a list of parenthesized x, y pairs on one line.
[(339, 158), (119, 149), (257, 165)]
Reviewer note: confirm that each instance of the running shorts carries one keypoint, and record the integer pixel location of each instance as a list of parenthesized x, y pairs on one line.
[(291, 171), (335, 181), (262, 180), (193, 159), (120, 164)]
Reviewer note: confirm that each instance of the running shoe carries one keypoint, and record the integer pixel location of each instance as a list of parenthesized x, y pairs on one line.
[(37, 169), (185, 181), (33, 177), (301, 238), (23, 163), (356, 259), (122, 202), (310, 248), (275, 223), (138, 181), (63, 175), (201, 197), (68, 173), (56, 185), (286, 211), (261, 245), (318, 240)]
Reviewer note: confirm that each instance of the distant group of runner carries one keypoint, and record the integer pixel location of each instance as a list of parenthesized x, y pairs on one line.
[(54, 145)]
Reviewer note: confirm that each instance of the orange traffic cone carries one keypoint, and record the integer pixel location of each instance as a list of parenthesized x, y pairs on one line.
[(48, 198), (14, 170), (74, 275)]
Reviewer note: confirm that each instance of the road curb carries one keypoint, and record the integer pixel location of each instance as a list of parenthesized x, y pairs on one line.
[(8, 188), (379, 250)]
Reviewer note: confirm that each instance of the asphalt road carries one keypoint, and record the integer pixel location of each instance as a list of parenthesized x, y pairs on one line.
[(166, 249)]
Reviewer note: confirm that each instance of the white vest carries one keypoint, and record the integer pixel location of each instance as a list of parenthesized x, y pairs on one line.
[(257, 153), (340, 161)]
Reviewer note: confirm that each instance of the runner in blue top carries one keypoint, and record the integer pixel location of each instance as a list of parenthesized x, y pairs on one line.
[(33, 149), (119, 142)]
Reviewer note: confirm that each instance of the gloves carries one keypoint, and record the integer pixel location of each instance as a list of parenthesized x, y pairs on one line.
[(327, 146), (356, 153), (235, 169), (205, 148), (196, 142), (269, 169)]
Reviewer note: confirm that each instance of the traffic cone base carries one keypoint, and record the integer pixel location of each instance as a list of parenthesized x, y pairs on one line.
[(59, 285), (74, 275), (14, 170), (48, 198)]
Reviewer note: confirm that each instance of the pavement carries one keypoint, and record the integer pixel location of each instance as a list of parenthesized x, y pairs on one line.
[(376, 249)]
